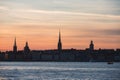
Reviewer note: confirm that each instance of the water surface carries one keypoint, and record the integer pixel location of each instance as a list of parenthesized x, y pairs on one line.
[(59, 71)]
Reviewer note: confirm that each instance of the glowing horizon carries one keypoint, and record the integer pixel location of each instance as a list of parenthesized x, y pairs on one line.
[(38, 22)]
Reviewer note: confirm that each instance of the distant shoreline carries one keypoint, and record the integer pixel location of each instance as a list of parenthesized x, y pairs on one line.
[(55, 61)]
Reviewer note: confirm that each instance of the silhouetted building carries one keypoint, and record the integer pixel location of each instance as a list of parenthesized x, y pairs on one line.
[(2, 56), (91, 46), (91, 55), (26, 48), (15, 47), (59, 43)]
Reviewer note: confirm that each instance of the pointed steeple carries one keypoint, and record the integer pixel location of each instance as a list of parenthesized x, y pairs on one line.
[(15, 46), (59, 43), (59, 36), (15, 42), (26, 43)]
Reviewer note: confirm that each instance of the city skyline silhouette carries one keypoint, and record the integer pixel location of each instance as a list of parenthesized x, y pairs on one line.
[(59, 45), (89, 54), (80, 22)]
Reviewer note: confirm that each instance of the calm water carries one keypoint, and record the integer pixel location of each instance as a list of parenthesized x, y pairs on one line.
[(59, 71)]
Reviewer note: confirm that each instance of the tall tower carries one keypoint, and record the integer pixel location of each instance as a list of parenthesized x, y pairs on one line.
[(59, 43), (15, 46), (91, 47), (26, 48)]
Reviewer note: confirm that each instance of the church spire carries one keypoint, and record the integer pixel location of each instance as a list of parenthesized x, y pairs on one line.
[(59, 36), (15, 42), (26, 43), (59, 43), (15, 46)]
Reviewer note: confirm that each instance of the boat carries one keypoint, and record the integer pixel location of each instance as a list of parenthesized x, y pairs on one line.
[(110, 62)]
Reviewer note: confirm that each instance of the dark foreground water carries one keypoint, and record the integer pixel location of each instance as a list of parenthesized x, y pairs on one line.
[(59, 71)]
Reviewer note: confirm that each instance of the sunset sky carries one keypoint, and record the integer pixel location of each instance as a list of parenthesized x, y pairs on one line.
[(39, 21)]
